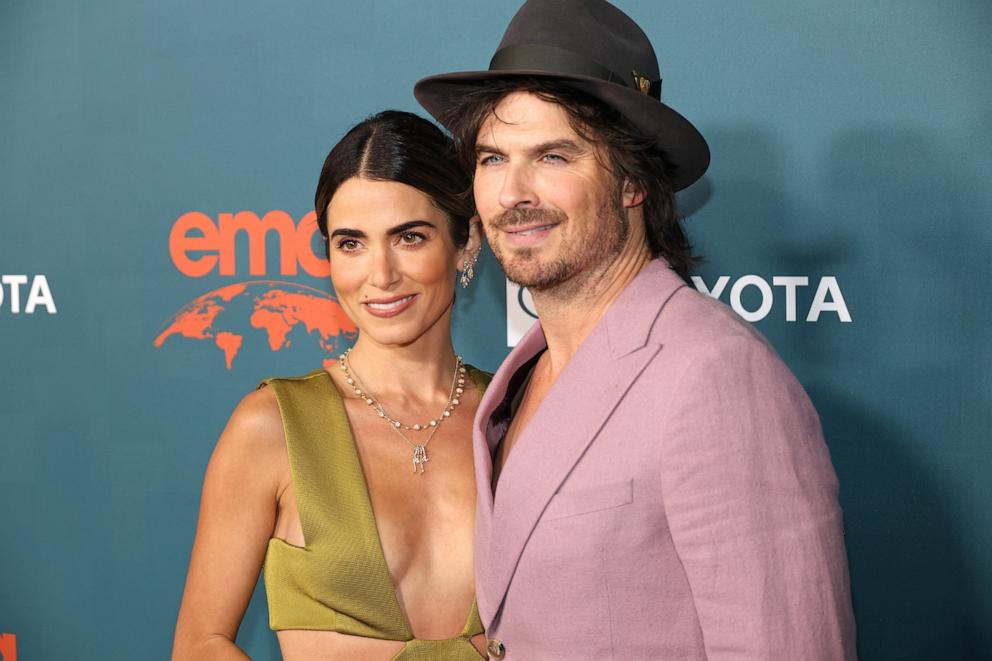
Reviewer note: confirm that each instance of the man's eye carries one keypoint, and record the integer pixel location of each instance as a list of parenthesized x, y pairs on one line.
[(554, 158), (348, 245), (490, 159)]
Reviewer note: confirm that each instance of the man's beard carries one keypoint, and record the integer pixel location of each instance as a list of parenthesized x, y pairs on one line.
[(524, 267)]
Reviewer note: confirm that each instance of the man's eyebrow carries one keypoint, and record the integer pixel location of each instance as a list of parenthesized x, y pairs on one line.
[(562, 145), (482, 148)]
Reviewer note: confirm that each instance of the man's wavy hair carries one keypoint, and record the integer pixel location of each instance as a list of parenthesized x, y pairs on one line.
[(631, 156)]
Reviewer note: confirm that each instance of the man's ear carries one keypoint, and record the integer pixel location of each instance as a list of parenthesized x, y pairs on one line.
[(633, 194)]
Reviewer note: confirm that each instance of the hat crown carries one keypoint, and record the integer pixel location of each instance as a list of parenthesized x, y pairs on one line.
[(596, 49), (594, 29)]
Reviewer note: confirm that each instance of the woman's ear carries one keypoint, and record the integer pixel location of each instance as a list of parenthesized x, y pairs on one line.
[(633, 194), (469, 255), (470, 251)]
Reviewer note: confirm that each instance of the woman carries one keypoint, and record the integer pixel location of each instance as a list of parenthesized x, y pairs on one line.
[(355, 485)]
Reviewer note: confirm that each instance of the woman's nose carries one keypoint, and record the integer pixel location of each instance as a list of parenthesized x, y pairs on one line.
[(383, 273)]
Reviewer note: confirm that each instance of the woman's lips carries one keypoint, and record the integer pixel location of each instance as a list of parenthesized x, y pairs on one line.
[(389, 307)]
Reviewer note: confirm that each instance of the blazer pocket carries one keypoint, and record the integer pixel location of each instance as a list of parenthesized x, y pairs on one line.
[(590, 499)]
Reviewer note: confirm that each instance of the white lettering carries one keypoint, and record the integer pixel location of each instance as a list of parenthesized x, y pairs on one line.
[(721, 284), (14, 282), (40, 294), (520, 314), (790, 282), (828, 297), (828, 285), (766, 297)]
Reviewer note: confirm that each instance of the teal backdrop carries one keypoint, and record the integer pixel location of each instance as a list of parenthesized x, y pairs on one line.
[(850, 142)]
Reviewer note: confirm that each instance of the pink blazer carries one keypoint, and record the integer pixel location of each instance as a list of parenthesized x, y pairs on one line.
[(672, 498)]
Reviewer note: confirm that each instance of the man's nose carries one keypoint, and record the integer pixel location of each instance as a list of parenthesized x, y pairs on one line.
[(518, 188)]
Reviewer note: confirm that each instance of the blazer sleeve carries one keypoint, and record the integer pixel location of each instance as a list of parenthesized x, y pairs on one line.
[(751, 500)]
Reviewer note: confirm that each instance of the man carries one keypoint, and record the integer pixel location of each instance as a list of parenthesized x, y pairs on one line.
[(652, 480)]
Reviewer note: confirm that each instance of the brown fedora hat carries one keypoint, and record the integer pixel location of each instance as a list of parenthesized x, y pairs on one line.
[(597, 49)]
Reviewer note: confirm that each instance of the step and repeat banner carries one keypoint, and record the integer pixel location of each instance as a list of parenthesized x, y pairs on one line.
[(158, 257)]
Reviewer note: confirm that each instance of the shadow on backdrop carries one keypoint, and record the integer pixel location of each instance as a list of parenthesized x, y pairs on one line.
[(912, 510), (895, 224)]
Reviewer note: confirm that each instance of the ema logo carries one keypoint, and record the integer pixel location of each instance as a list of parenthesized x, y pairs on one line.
[(39, 294), (8, 647), (213, 244), (270, 313), (520, 312)]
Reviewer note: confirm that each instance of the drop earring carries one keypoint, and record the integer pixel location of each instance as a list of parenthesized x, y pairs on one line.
[(468, 270)]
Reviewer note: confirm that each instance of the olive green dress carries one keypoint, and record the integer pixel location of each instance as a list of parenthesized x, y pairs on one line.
[(339, 580)]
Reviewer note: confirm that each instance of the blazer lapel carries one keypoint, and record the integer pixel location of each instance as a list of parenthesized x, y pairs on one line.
[(571, 415), (568, 419), (530, 344)]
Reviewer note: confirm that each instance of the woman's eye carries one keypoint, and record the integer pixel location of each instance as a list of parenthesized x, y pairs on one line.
[(411, 238), (348, 245)]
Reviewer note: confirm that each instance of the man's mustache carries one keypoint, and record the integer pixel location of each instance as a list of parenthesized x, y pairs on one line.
[(527, 216)]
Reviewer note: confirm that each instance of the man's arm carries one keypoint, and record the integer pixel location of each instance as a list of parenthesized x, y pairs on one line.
[(751, 499)]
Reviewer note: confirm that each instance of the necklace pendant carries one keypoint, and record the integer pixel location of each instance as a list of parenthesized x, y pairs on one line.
[(419, 458)]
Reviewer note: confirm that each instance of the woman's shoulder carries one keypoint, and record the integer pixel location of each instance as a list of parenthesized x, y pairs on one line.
[(316, 374), (256, 425), (298, 396)]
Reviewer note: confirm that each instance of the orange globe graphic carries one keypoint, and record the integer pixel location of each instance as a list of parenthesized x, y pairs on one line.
[(269, 311)]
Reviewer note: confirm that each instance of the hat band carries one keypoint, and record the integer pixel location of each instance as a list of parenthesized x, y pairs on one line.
[(558, 61)]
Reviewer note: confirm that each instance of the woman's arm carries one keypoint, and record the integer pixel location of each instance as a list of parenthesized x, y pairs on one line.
[(238, 510)]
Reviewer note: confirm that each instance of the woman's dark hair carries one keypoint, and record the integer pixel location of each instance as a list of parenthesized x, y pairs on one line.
[(401, 147), (631, 155)]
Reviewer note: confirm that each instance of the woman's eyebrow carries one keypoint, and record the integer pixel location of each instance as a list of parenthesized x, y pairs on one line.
[(409, 225), (392, 231), (346, 231)]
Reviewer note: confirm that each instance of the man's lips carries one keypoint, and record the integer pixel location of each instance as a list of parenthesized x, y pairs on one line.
[(527, 230), (527, 227), (529, 235), (389, 306)]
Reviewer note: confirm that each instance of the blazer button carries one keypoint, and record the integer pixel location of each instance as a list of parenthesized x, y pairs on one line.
[(495, 649)]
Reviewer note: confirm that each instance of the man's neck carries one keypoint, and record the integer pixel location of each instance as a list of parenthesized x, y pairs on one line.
[(570, 312)]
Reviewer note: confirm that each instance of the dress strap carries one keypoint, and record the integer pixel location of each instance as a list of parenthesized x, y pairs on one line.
[(335, 509)]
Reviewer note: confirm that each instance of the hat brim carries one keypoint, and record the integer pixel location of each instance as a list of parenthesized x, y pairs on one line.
[(686, 153)]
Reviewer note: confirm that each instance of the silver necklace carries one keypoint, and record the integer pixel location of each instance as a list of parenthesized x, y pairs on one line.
[(420, 457)]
